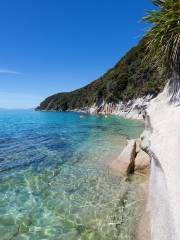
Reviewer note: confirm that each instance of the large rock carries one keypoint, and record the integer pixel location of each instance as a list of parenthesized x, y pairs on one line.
[(142, 162), (138, 145), (163, 136), (124, 164)]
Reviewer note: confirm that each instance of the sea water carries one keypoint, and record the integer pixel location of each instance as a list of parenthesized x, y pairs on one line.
[(54, 180)]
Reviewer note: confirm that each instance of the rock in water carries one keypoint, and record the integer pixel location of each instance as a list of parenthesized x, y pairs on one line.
[(124, 164), (138, 145), (142, 162)]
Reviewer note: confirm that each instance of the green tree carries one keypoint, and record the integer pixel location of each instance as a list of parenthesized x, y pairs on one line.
[(163, 41)]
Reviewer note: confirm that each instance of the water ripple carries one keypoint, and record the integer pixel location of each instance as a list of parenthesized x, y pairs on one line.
[(52, 183)]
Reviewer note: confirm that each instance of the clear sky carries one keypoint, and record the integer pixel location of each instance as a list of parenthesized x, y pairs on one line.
[(49, 46)]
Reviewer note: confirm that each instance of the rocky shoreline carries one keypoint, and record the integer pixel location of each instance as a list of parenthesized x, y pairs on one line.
[(133, 109), (135, 161), (161, 140)]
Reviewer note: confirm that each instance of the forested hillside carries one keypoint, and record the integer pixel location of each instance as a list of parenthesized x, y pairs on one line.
[(131, 77)]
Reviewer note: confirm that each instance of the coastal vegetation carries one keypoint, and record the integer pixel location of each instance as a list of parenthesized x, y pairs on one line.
[(143, 70), (133, 76), (163, 42), (163, 39)]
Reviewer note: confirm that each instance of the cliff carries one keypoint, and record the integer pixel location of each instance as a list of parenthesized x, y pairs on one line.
[(161, 140)]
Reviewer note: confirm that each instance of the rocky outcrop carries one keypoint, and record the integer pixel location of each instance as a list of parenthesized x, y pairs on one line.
[(133, 109), (142, 162), (132, 160), (124, 164), (161, 140)]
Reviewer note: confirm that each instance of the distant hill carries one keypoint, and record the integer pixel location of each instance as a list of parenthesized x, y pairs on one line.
[(131, 77)]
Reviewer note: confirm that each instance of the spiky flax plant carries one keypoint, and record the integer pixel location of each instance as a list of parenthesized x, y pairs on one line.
[(163, 41)]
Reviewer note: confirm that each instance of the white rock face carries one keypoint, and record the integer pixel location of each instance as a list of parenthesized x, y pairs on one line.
[(133, 109), (162, 140)]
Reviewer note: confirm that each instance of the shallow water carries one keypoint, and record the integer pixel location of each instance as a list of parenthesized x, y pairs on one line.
[(53, 180)]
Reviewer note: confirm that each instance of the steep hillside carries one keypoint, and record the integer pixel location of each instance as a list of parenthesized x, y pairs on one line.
[(130, 78)]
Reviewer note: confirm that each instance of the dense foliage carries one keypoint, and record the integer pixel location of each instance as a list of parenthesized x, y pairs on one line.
[(163, 39), (131, 77)]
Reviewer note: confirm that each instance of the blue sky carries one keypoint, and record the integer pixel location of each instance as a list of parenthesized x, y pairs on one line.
[(49, 46)]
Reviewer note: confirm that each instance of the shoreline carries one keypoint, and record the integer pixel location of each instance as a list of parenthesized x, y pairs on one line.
[(122, 115), (133, 164), (132, 109), (161, 140), (133, 112)]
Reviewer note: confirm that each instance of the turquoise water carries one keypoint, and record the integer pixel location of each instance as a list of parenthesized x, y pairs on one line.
[(54, 183)]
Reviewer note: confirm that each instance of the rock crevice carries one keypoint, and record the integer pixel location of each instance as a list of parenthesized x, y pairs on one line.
[(132, 160)]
